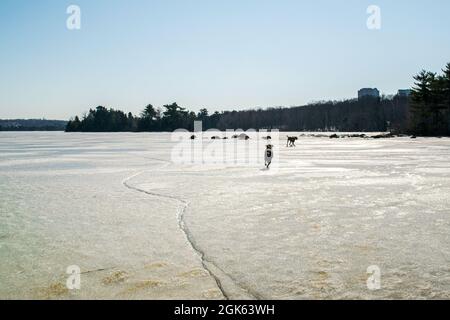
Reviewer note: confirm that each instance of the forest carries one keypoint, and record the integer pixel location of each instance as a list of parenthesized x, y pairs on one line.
[(370, 114), (426, 112)]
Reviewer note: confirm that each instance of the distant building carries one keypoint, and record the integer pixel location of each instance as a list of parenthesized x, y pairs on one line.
[(368, 92), (404, 92)]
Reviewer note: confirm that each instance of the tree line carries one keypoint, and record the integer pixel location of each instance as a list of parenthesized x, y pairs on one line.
[(32, 125), (370, 114), (151, 119), (425, 112), (356, 115)]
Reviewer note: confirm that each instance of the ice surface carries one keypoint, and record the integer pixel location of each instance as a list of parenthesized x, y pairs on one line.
[(141, 227)]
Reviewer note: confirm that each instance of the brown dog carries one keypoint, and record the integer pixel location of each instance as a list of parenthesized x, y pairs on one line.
[(291, 141)]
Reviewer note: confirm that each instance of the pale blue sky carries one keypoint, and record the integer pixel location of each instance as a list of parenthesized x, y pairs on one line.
[(228, 54)]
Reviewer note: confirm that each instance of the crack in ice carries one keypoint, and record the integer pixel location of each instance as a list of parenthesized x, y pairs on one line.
[(181, 225)]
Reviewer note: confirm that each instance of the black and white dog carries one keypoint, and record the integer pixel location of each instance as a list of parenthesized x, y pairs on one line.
[(268, 155)]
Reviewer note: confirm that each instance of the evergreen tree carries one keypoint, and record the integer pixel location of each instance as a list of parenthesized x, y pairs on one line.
[(76, 124), (73, 125), (438, 106), (147, 122), (174, 117), (149, 112), (446, 94), (421, 102), (203, 116)]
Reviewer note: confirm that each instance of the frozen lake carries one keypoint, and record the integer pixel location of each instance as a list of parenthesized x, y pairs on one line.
[(142, 227)]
